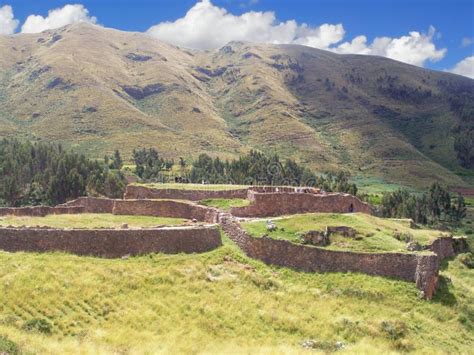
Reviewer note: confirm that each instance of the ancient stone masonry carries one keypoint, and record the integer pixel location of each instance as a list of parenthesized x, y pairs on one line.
[(446, 247), (40, 211), (165, 208), (285, 203), (419, 268), (111, 243), (93, 204), (142, 192)]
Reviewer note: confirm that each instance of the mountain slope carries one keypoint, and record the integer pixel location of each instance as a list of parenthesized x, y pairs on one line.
[(99, 89)]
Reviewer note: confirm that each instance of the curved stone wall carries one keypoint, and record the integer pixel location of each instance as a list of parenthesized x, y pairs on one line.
[(284, 203), (111, 243), (92, 204), (419, 268)]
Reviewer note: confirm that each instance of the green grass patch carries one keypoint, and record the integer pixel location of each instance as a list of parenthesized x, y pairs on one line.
[(374, 234), (89, 220), (225, 204), (223, 302)]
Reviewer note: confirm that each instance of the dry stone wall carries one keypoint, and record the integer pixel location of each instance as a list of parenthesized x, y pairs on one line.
[(40, 211), (277, 204), (93, 204), (165, 208), (135, 192), (111, 243), (419, 268)]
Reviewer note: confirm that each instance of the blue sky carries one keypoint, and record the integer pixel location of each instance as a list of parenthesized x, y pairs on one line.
[(452, 19)]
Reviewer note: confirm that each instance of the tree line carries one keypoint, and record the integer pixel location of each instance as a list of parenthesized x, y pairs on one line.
[(43, 173), (256, 168)]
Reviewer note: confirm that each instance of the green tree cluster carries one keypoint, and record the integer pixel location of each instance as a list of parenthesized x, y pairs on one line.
[(256, 168), (149, 165), (42, 173), (438, 205)]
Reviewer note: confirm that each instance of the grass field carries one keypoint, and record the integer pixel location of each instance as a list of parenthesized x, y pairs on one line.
[(374, 234), (201, 187), (225, 204), (223, 302), (89, 220)]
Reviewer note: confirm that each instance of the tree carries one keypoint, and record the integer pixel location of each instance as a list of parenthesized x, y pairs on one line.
[(117, 161)]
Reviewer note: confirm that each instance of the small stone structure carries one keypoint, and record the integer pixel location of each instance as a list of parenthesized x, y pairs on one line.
[(111, 243)]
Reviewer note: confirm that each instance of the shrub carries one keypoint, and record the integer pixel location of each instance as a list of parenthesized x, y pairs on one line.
[(403, 237), (8, 347), (393, 330), (38, 325), (467, 259)]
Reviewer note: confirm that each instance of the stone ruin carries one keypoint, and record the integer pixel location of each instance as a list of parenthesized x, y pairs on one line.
[(420, 268)]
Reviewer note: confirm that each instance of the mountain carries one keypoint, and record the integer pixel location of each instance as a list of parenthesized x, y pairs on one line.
[(96, 90)]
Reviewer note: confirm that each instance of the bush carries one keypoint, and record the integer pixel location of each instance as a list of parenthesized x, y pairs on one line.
[(467, 259), (38, 325), (393, 330), (8, 347), (403, 237)]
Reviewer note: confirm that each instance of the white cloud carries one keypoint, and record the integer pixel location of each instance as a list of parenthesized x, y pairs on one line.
[(207, 26), (467, 41), (464, 67), (8, 23), (416, 48), (57, 18)]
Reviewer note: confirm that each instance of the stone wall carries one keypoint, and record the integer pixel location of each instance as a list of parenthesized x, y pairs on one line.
[(111, 243), (277, 204), (93, 204), (442, 247), (134, 192), (419, 268), (40, 211), (165, 208)]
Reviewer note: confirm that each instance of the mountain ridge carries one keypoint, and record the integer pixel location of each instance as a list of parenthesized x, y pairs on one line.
[(105, 89)]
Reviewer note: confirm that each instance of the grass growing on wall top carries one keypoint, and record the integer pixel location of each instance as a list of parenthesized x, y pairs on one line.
[(376, 234), (223, 302), (89, 220), (225, 204)]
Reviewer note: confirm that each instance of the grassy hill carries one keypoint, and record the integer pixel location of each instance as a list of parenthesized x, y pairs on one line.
[(97, 89), (223, 302)]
